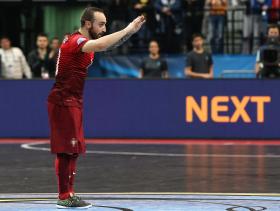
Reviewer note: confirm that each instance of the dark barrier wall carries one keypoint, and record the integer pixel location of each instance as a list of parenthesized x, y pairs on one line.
[(151, 108)]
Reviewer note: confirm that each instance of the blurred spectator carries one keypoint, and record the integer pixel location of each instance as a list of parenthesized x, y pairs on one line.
[(199, 62), (13, 62), (146, 8), (254, 24), (154, 66), (169, 18), (217, 18), (193, 16), (273, 31), (38, 59), (54, 46)]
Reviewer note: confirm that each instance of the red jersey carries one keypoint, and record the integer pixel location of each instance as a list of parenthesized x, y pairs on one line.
[(71, 71)]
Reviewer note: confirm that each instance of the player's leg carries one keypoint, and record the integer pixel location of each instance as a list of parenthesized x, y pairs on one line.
[(78, 146), (77, 142), (62, 167), (79, 134), (72, 172), (66, 140), (65, 167)]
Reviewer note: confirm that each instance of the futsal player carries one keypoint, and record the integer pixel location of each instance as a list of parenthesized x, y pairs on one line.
[(65, 101)]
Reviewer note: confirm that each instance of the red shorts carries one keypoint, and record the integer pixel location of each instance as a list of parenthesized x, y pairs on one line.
[(66, 125)]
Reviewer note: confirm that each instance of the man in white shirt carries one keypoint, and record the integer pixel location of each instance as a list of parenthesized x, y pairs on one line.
[(13, 62)]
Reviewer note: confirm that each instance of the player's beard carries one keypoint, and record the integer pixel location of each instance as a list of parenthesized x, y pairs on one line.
[(93, 35)]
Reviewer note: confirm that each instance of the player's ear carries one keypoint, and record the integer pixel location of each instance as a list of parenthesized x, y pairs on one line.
[(88, 24)]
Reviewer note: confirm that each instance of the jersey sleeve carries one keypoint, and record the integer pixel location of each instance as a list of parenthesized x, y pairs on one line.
[(77, 43)]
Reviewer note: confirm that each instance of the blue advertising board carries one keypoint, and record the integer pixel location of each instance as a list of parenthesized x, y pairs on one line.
[(151, 108)]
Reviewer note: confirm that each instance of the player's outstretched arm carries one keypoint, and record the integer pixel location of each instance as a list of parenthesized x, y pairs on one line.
[(113, 40)]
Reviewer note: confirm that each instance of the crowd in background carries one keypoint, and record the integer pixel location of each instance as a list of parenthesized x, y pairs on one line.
[(173, 22), (39, 63), (171, 25)]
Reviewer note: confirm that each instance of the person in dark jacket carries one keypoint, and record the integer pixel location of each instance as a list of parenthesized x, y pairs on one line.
[(38, 59), (53, 55)]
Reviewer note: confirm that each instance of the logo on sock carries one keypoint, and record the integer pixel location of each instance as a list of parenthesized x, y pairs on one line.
[(74, 142)]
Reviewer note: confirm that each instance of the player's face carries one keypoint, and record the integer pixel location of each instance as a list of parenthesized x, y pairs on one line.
[(154, 48), (198, 42), (98, 26), (273, 32), (42, 42), (5, 44)]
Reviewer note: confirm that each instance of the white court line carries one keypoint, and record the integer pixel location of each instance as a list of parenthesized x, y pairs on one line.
[(33, 146)]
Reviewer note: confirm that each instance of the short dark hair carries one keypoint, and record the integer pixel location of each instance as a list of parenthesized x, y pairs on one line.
[(272, 26), (42, 35), (196, 35), (88, 14)]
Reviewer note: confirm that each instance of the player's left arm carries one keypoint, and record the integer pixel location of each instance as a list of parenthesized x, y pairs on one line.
[(114, 40)]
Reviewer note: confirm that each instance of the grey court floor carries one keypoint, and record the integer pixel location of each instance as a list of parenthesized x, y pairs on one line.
[(147, 176)]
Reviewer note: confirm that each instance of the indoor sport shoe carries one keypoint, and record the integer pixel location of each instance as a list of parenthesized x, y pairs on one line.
[(73, 202)]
